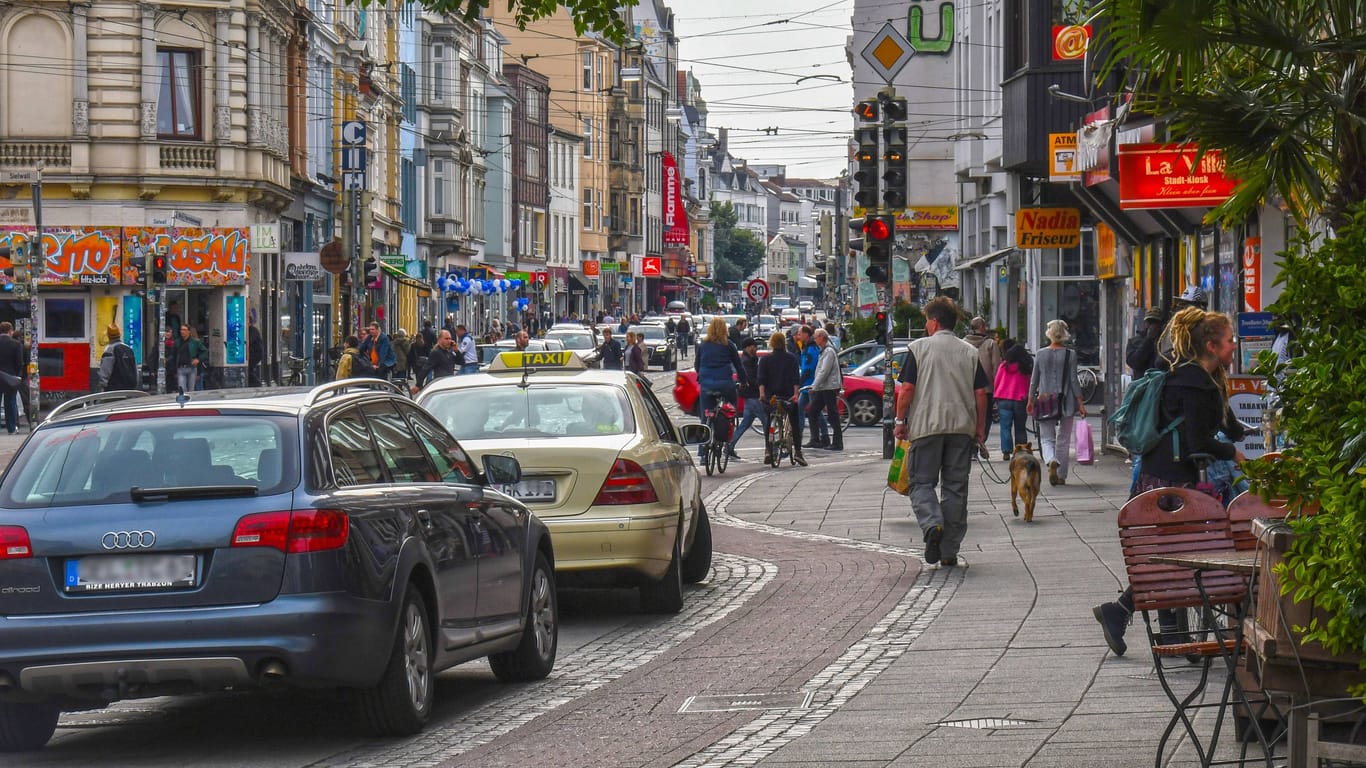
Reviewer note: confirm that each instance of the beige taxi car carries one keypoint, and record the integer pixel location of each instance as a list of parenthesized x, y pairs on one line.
[(603, 467)]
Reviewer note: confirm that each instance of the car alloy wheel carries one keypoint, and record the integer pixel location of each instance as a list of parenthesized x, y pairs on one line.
[(543, 613), (534, 656), (864, 410), (416, 656)]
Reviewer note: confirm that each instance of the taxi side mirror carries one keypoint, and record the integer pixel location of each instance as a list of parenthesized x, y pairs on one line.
[(695, 434), (501, 469)]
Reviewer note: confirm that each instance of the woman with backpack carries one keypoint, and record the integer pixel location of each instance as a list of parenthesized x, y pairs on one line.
[(1012, 391), (1194, 397), (1055, 400)]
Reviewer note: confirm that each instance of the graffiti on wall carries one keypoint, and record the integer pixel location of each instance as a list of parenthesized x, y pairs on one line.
[(942, 42), (193, 256), (71, 256)]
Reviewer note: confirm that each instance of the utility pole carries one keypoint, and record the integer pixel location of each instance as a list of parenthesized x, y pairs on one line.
[(37, 264), (364, 242)]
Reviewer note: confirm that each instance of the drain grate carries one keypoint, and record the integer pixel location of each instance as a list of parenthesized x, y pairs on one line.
[(736, 702), (984, 723)]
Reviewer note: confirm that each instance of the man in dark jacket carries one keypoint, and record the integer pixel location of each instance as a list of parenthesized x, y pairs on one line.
[(441, 361), (749, 390), (256, 353), (778, 378), (11, 362), (377, 347), (1141, 351), (610, 352)]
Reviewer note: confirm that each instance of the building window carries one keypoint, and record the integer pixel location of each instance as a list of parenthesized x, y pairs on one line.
[(533, 162), (438, 187), (635, 216), (588, 209), (438, 72), (588, 137), (532, 110), (408, 198), (64, 318), (178, 105), (408, 90), (587, 70)]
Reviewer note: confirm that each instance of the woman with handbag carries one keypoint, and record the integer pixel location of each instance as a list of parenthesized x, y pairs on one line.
[(1055, 400)]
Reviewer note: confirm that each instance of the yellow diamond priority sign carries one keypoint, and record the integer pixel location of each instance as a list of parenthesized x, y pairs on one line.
[(888, 52)]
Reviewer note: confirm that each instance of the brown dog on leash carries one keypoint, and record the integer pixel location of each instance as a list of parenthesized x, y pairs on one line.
[(1025, 478)]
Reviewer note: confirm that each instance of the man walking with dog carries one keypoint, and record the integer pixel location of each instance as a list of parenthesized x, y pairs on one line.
[(941, 407)]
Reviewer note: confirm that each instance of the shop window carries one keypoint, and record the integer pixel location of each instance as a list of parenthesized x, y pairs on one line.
[(64, 318)]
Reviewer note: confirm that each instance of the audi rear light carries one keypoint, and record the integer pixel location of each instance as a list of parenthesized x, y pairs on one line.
[(627, 483), (14, 543), (317, 530), (265, 529), (300, 530)]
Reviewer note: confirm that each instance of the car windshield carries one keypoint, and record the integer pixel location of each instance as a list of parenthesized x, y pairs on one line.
[(654, 334), (537, 411), (572, 340), (99, 462)]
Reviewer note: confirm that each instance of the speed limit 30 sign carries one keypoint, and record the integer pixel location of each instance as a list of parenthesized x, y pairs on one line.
[(757, 290)]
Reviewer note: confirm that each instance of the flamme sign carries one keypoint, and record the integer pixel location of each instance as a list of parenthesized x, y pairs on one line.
[(675, 217), (1168, 176)]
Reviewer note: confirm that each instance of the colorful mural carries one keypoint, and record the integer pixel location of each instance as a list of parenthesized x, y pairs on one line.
[(194, 257), (73, 255)]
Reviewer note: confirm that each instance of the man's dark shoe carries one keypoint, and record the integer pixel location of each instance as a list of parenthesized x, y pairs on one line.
[(949, 562), (1114, 619), (730, 451), (799, 458), (932, 537), (812, 444), (837, 446)]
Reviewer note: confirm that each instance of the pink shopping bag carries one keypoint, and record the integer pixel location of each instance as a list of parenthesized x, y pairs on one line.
[(1081, 436)]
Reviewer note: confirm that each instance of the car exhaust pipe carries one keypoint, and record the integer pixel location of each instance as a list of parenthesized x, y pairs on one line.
[(273, 671)]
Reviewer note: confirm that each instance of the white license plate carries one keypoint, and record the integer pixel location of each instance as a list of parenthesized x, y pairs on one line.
[(531, 490), (110, 573)]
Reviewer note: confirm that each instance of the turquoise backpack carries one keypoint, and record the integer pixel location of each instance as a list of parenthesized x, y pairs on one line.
[(1136, 421)]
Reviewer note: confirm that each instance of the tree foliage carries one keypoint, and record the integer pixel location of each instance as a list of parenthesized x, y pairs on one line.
[(738, 252), (1323, 410), (601, 16), (1278, 87)]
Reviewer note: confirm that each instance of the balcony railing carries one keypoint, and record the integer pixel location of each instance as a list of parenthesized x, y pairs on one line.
[(188, 156), (28, 154)]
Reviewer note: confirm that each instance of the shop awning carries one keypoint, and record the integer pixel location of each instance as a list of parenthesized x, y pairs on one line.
[(578, 283), (406, 279), (987, 259), (694, 283)]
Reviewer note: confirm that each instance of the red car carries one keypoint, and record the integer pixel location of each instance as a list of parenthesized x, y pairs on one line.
[(863, 393)]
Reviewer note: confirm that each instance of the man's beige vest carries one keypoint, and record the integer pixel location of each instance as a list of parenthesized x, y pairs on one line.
[(945, 402)]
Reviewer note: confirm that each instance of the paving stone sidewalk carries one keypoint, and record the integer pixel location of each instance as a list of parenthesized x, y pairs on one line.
[(1013, 671)]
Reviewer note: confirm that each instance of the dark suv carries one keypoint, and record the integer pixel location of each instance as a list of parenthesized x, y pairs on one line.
[(337, 536)]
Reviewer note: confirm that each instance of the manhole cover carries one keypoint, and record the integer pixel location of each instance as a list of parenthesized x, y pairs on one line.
[(984, 723), (740, 701)]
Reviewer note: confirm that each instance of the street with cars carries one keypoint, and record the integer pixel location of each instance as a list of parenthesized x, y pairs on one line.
[(813, 635)]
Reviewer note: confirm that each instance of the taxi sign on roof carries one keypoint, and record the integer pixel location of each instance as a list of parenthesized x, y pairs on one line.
[(516, 361)]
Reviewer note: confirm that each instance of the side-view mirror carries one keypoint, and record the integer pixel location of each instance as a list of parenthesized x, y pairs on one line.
[(695, 434), (501, 469)]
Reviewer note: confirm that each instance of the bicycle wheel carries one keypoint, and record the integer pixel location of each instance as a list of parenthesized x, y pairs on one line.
[(722, 458), (708, 457), (1088, 380), (776, 438), (843, 411)]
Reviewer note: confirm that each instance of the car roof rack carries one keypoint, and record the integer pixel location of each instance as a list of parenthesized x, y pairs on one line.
[(91, 400), (342, 386)]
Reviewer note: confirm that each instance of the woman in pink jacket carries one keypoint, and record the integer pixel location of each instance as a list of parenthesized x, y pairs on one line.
[(1012, 391)]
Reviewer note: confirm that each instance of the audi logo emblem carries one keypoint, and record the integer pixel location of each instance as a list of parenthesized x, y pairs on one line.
[(128, 540)]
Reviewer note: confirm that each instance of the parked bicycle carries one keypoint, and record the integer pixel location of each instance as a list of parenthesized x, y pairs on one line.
[(296, 366), (844, 417), (721, 419), (1088, 376)]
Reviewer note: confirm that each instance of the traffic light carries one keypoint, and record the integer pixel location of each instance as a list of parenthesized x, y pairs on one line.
[(879, 233), (370, 276), (868, 155), (856, 224), (894, 153), (867, 111), (881, 319), (893, 108), (159, 269)]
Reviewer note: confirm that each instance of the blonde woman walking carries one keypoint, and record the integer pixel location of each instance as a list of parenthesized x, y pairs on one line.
[(1055, 400)]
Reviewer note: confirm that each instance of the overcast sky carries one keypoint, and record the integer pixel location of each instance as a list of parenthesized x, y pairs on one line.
[(749, 55)]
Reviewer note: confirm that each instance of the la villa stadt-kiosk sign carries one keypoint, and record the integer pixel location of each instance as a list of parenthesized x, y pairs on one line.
[(1168, 176)]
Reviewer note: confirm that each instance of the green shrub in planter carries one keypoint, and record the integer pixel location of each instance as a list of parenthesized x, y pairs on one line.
[(1323, 393)]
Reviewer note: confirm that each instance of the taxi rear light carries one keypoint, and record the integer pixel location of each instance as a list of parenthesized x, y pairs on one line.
[(300, 530), (627, 483), (14, 543), (168, 413)]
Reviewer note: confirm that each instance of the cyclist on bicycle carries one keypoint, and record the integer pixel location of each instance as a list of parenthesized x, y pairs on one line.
[(754, 407), (779, 376), (716, 359)]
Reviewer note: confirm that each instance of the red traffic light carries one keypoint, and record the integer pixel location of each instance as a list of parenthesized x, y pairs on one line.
[(881, 318), (159, 263), (877, 229)]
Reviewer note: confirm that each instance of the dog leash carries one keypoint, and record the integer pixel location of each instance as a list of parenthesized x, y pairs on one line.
[(984, 460)]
